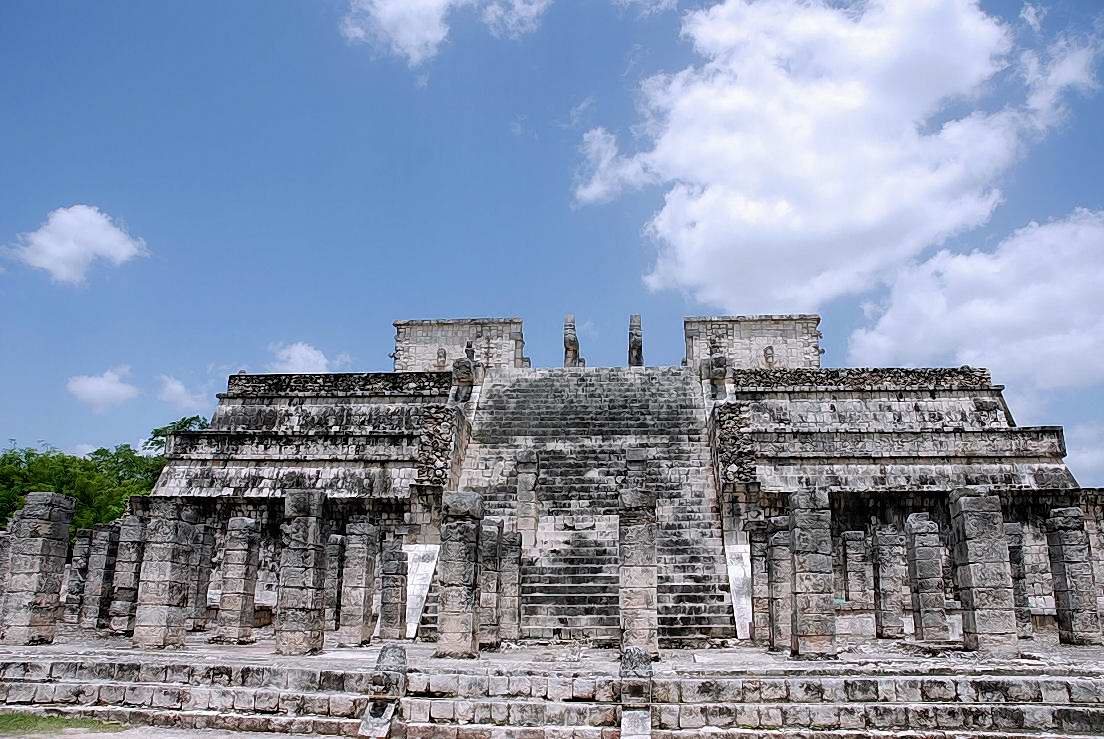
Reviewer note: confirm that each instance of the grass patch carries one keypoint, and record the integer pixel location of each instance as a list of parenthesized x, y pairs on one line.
[(21, 724)]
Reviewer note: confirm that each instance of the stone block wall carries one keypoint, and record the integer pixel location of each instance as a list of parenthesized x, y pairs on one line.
[(498, 342), (755, 342)]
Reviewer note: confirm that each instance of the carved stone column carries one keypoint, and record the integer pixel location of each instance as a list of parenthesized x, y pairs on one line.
[(358, 582), (392, 620), (490, 555), (335, 554), (300, 602), (813, 633), (39, 543), (756, 530), (78, 570), (890, 578), (780, 581), (571, 343), (638, 593), (1074, 582), (527, 507), (509, 587), (1013, 532), (458, 576), (983, 573), (239, 582), (203, 555), (99, 578), (855, 564), (636, 342), (929, 604), (128, 574), (166, 577)]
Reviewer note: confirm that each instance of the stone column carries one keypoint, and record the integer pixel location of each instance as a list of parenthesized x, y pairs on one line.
[(300, 604), (813, 633), (39, 542), (509, 587), (756, 531), (855, 563), (392, 619), (99, 578), (982, 572), (638, 596), (203, 555), (458, 575), (5, 565), (358, 583), (925, 567), (1013, 532), (527, 511), (636, 692), (240, 555), (780, 583), (166, 577), (128, 572), (78, 570), (636, 342), (1074, 582), (335, 555), (890, 576), (490, 556)]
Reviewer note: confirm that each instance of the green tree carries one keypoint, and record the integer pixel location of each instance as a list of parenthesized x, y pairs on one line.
[(155, 444)]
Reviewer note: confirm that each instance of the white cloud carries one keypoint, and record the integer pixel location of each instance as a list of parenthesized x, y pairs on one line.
[(74, 237), (301, 357), (100, 392), (83, 450), (416, 29), (1033, 16), (648, 6), (1032, 309), (174, 392), (814, 150), (1085, 443)]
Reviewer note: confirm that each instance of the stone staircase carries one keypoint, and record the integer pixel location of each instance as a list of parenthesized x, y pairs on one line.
[(581, 422)]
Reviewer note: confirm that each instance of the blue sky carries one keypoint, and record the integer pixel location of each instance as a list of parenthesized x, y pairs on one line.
[(273, 183)]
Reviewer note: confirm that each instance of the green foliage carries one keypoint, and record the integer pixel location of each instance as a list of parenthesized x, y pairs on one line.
[(22, 724), (101, 482)]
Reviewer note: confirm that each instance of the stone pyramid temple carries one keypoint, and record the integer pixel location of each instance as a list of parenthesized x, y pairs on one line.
[(747, 544)]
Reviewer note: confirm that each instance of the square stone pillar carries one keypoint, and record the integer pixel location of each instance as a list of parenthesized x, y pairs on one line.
[(509, 587), (1013, 533), (856, 565), (813, 634), (458, 576), (780, 584), (5, 563), (890, 578), (203, 556), (128, 573), (99, 577), (78, 570), (527, 506), (300, 601), (392, 619), (636, 692), (638, 591), (335, 556), (358, 583), (1074, 582), (39, 542), (756, 530), (925, 567), (982, 572), (490, 555), (240, 555), (167, 577)]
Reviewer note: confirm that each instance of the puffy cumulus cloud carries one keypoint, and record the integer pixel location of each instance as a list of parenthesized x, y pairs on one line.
[(1085, 443), (174, 392), (73, 238), (416, 29), (1032, 309), (100, 392), (301, 357), (819, 146)]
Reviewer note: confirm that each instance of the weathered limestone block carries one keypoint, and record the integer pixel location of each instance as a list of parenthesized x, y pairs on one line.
[(490, 556), (39, 543), (509, 587), (526, 463), (240, 555), (1074, 582), (128, 569), (300, 602), (636, 676), (636, 342), (78, 570), (638, 595), (358, 581), (387, 683), (203, 554), (813, 633), (1013, 532), (890, 578), (392, 619), (859, 589), (458, 576), (99, 577), (929, 605), (335, 555), (167, 577), (780, 582), (983, 573), (756, 530)]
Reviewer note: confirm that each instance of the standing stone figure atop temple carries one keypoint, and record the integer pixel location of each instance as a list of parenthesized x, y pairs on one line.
[(571, 342), (442, 358), (463, 375), (636, 342), (714, 369)]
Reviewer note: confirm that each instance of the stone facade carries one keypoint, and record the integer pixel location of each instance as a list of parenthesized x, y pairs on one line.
[(429, 346), (755, 342)]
